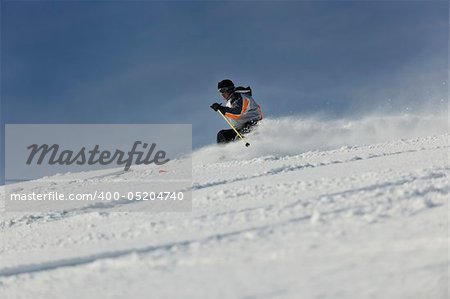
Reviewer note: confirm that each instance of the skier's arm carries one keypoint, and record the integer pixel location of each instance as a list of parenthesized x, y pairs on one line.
[(237, 109)]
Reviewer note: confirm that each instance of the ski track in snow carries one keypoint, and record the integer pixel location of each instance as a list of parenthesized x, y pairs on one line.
[(280, 208), (28, 219)]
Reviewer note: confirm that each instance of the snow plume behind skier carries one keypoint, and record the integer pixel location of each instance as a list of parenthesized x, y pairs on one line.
[(240, 109), (284, 136)]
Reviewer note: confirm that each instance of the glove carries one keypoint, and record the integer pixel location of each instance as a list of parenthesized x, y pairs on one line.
[(222, 109), (215, 106)]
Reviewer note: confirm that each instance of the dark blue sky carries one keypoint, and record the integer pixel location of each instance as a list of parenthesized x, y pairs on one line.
[(159, 62)]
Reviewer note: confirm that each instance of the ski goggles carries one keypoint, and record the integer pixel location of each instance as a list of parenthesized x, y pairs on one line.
[(225, 89)]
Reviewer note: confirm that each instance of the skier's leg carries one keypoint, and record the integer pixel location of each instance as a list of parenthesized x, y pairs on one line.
[(248, 127), (225, 136)]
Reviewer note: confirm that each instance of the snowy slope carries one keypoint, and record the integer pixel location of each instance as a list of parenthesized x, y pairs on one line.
[(341, 221)]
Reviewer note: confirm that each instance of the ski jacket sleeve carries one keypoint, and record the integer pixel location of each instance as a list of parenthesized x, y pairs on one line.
[(236, 107)]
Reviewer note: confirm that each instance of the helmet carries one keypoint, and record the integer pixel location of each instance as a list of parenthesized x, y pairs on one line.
[(225, 85)]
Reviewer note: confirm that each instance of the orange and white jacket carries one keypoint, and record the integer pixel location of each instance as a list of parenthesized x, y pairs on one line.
[(241, 108)]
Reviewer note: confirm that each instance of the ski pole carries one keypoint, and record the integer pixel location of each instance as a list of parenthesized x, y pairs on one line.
[(231, 125)]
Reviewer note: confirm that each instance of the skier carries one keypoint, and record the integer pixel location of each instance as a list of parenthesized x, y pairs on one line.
[(240, 109)]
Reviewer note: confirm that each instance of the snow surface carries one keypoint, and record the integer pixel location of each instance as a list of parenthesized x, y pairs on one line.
[(327, 210)]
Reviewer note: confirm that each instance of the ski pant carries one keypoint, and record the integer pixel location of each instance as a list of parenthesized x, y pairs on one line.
[(225, 136)]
